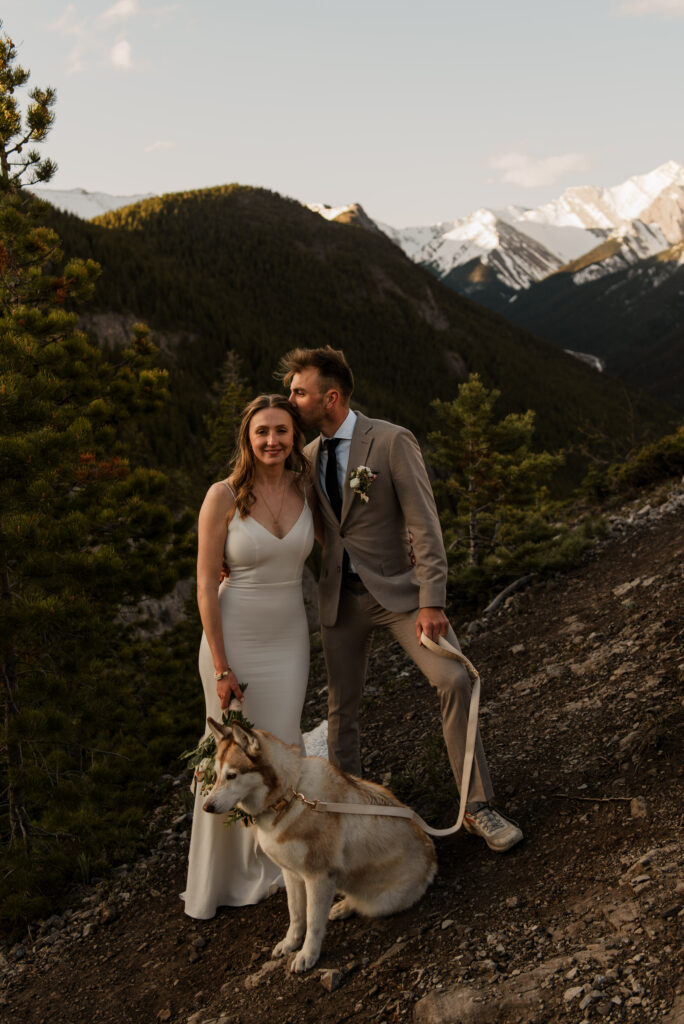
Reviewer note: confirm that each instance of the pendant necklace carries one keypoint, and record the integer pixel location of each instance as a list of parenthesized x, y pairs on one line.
[(276, 519)]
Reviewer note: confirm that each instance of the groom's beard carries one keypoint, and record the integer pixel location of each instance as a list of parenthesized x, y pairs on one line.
[(313, 419)]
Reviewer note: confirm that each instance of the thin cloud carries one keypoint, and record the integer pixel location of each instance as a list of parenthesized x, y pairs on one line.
[(639, 8), (91, 46), (121, 55), (531, 172), (75, 62), (69, 23), (121, 10), (159, 144)]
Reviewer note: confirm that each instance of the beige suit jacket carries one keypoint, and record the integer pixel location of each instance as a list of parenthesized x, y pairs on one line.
[(375, 534)]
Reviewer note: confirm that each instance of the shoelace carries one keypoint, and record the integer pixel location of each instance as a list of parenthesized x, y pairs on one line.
[(486, 819)]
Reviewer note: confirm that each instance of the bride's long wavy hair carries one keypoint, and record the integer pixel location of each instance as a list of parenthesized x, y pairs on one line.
[(243, 462)]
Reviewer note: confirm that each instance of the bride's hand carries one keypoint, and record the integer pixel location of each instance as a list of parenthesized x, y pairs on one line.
[(227, 688)]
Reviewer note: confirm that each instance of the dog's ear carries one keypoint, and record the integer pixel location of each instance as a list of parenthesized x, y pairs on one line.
[(218, 730), (246, 740)]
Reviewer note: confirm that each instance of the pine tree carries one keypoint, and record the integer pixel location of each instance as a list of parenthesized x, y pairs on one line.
[(82, 532), (233, 394), (492, 484)]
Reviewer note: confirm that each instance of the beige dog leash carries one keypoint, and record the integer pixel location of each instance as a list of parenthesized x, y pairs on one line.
[(445, 650)]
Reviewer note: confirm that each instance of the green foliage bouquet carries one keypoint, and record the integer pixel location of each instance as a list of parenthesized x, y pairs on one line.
[(201, 758)]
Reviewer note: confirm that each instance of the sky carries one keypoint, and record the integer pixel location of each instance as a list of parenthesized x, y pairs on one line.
[(421, 110)]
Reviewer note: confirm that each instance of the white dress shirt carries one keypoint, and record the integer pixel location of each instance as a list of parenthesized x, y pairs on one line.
[(344, 433)]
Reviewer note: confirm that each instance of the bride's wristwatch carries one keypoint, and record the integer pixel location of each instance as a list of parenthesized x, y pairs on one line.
[(222, 675)]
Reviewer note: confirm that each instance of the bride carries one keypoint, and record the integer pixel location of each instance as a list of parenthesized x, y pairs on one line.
[(255, 629)]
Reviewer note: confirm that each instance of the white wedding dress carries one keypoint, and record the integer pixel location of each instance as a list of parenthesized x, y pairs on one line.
[(267, 644)]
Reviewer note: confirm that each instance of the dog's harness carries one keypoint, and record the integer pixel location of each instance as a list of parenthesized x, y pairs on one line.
[(445, 650)]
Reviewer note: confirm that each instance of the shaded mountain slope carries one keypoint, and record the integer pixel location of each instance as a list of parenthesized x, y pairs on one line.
[(244, 269), (633, 318)]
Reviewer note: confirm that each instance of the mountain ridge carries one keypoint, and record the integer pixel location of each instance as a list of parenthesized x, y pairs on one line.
[(506, 259), (646, 211), (538, 268), (241, 269)]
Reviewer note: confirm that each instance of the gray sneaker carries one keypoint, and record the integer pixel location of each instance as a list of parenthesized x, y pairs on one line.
[(498, 832)]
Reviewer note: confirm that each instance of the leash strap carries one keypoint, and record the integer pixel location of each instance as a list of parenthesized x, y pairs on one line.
[(445, 650)]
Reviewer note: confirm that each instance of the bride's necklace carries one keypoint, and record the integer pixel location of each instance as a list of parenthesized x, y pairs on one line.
[(276, 519)]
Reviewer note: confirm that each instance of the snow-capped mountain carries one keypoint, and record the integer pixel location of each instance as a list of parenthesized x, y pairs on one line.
[(510, 249), (624, 249), (597, 271), (352, 214), (654, 198), (518, 257), (85, 204), (515, 251), (330, 212)]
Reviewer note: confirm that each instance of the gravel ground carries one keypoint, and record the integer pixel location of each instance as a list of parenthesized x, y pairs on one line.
[(582, 720)]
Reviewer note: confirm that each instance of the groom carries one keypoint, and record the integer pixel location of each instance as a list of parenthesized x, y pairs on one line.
[(367, 576)]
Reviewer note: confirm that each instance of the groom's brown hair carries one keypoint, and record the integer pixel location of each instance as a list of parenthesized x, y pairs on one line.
[(330, 363)]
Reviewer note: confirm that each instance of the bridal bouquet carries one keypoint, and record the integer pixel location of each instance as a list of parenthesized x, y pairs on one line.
[(202, 757)]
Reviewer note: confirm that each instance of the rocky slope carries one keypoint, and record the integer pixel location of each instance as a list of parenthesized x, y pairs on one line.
[(583, 721)]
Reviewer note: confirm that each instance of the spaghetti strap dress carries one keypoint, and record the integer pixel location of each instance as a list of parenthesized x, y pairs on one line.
[(266, 638)]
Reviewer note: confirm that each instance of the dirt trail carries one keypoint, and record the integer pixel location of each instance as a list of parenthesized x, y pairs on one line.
[(582, 721)]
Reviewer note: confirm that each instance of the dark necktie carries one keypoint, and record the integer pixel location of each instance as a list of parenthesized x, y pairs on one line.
[(331, 482)]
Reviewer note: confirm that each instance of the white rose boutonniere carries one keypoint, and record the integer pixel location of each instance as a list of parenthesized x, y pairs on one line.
[(360, 480)]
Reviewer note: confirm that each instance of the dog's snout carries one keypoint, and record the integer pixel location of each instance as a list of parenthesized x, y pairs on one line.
[(208, 806)]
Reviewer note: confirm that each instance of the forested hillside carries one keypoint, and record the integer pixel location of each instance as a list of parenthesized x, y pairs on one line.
[(631, 317), (243, 269)]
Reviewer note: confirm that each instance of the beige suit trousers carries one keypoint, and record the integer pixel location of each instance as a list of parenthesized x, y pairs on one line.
[(346, 646)]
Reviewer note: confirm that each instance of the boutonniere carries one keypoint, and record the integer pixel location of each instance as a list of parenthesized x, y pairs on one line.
[(360, 480)]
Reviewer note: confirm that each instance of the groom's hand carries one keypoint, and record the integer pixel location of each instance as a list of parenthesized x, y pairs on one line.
[(433, 622)]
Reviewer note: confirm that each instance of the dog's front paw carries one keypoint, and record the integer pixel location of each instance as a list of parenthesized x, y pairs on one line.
[(286, 945), (303, 961)]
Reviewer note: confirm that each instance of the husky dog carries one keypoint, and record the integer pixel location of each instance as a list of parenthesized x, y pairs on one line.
[(379, 864)]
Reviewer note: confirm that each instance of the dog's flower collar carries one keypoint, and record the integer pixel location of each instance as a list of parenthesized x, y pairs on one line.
[(201, 759)]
